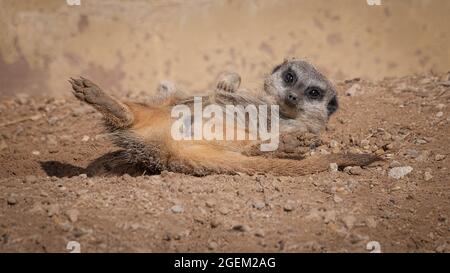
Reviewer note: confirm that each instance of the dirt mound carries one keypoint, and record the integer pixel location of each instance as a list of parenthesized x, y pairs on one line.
[(51, 190)]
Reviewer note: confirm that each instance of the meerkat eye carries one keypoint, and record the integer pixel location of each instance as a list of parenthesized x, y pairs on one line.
[(314, 93), (289, 77)]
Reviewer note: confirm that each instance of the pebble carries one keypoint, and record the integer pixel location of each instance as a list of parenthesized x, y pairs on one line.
[(356, 170), (3, 145), (212, 245), (83, 176), (394, 164), (439, 157), (427, 176), (337, 199), (210, 203), (260, 233), (53, 210), (215, 223), (412, 153), (30, 179), (333, 167), (85, 138), (400, 172), (35, 152), (240, 228), (349, 221), (440, 106), (353, 90), (177, 209), (440, 114), (72, 214), (289, 206), (12, 200), (371, 222), (259, 205)]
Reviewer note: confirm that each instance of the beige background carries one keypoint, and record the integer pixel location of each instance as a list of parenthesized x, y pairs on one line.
[(130, 45)]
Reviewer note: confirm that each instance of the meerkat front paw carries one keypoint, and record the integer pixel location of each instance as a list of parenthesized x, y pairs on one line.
[(229, 82)]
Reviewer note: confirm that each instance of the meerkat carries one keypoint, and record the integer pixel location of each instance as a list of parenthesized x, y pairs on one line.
[(305, 97)]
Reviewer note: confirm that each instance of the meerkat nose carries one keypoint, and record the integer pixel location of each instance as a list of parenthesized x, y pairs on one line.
[(292, 98)]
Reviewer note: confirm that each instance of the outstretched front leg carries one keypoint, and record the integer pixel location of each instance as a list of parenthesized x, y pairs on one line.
[(116, 114), (228, 82)]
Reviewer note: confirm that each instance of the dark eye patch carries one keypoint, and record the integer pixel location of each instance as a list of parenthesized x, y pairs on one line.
[(332, 106), (289, 77), (314, 93)]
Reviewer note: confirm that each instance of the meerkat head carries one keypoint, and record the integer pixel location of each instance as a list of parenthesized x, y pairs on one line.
[(301, 91)]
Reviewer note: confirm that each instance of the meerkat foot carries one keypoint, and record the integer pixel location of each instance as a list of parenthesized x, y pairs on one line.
[(115, 113), (292, 145), (229, 82)]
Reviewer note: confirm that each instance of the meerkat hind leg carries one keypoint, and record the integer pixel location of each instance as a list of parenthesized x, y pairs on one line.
[(115, 113)]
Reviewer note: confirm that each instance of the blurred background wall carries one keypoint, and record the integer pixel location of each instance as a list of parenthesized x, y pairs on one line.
[(131, 45)]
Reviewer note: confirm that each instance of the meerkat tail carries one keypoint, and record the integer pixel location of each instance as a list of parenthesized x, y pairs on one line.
[(206, 161), (117, 115), (310, 165)]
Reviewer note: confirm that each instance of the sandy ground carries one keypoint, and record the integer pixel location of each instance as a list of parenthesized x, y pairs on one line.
[(49, 196)]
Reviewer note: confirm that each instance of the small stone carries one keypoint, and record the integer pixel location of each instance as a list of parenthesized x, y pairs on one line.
[(53, 120), (400, 172), (337, 199), (177, 209), (224, 210), (210, 203), (439, 157), (390, 146), (412, 153), (334, 144), (12, 199), (240, 228), (66, 226), (30, 179), (23, 99), (421, 141), (355, 170), (212, 245), (289, 206), (349, 221), (3, 145), (441, 248), (440, 106), (83, 176), (427, 176), (371, 222), (364, 143), (35, 152), (333, 167), (85, 138), (53, 210), (72, 214), (394, 164), (387, 137), (353, 90), (260, 233), (259, 205), (215, 223), (440, 114)]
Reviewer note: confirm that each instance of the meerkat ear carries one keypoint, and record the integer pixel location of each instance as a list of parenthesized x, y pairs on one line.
[(285, 61), (332, 106)]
